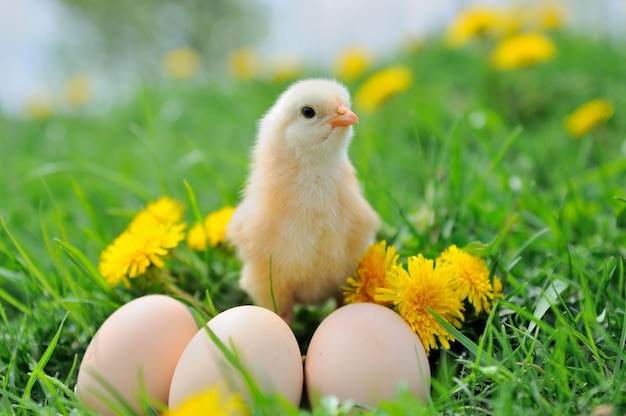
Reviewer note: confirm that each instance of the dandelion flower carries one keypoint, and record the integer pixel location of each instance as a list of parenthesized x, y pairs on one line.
[(146, 241), (477, 22), (497, 288), (213, 230), (352, 63), (548, 16), (181, 62), (472, 277), (215, 225), (39, 107), (212, 401), (197, 237), (284, 68), (77, 90), (166, 210), (424, 286), (370, 273), (244, 63), (588, 116), (522, 50), (163, 211), (383, 85), (135, 250)]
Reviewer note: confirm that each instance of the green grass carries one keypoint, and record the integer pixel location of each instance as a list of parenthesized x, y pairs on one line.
[(467, 155)]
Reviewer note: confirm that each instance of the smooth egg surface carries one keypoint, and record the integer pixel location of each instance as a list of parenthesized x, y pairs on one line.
[(364, 352), (135, 352), (264, 344)]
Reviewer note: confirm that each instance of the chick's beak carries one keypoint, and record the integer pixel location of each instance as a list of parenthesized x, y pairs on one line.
[(345, 117)]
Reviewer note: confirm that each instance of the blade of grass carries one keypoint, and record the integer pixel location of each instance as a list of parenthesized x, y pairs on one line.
[(508, 142), (36, 373), (84, 264), (525, 314), (91, 213), (14, 302), (29, 263), (544, 303), (102, 172), (272, 288), (477, 351)]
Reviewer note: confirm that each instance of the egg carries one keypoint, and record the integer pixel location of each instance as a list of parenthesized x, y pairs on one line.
[(135, 352), (264, 344), (363, 352)]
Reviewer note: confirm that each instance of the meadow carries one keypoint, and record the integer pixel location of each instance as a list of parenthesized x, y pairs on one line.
[(465, 154)]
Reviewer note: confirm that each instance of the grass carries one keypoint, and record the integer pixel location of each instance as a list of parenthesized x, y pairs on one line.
[(467, 156)]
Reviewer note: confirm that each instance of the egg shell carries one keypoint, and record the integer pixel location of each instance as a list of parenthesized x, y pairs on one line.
[(135, 351), (265, 345), (363, 352)]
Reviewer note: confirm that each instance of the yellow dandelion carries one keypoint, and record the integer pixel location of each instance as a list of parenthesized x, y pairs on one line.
[(588, 116), (181, 62), (522, 50), (212, 401), (119, 258), (478, 22), (39, 106), (472, 277), (197, 237), (147, 240), (77, 90), (352, 63), (370, 273), (215, 225), (547, 16), (164, 210), (497, 288), (383, 85), (424, 286), (244, 63), (135, 250), (284, 68)]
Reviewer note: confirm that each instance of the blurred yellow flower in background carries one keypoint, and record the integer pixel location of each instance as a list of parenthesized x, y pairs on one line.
[(215, 224), (352, 63), (147, 240), (212, 401), (371, 273), (197, 237), (478, 22), (522, 50), (383, 85), (181, 63), (212, 231), (244, 63), (588, 116), (39, 106), (77, 90), (547, 16), (472, 277), (284, 68), (424, 286)]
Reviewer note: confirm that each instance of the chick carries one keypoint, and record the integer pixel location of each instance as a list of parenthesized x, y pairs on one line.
[(303, 223)]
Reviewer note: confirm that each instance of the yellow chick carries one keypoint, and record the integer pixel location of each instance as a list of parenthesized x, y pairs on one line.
[(303, 222)]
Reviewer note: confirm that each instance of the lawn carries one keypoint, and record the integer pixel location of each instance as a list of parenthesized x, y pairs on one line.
[(467, 154)]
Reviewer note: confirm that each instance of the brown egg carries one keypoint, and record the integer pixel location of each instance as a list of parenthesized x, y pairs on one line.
[(135, 352), (364, 352), (265, 345)]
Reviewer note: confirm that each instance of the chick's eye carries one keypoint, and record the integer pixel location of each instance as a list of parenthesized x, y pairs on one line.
[(308, 112)]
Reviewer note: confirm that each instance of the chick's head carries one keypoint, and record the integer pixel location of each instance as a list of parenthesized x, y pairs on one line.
[(313, 117)]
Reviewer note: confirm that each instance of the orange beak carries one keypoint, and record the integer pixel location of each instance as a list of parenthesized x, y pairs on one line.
[(345, 117)]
